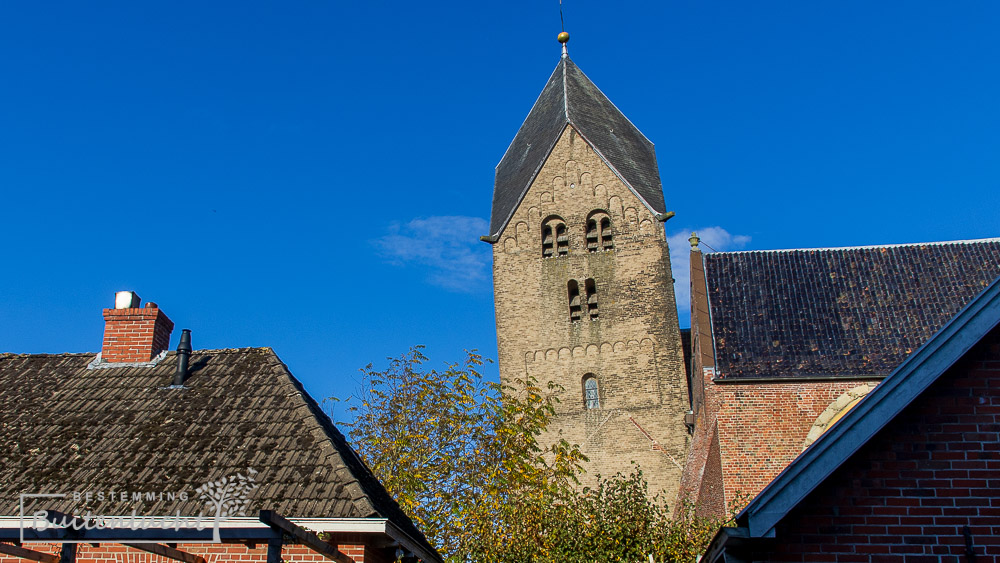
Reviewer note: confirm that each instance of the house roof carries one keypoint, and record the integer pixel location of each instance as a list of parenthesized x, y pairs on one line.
[(873, 413), (65, 427), (570, 98), (838, 312)]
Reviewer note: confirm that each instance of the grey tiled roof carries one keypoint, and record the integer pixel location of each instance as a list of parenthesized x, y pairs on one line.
[(569, 97), (849, 312), (67, 428)]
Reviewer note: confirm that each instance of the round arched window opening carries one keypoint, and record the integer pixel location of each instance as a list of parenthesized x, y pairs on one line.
[(591, 397)]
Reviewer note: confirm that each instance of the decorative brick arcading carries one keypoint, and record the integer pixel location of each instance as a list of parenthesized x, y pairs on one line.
[(135, 335)]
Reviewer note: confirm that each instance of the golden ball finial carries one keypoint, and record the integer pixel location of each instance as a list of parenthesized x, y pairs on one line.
[(563, 38)]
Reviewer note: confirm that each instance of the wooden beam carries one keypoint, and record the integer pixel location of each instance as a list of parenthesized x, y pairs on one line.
[(23, 553), (68, 553), (301, 535), (166, 551), (274, 550)]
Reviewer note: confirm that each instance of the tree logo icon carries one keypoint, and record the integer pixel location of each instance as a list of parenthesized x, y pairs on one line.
[(228, 496)]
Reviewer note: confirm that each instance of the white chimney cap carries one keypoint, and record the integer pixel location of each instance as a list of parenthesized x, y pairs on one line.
[(126, 300)]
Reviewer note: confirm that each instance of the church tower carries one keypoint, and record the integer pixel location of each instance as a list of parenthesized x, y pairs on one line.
[(582, 285)]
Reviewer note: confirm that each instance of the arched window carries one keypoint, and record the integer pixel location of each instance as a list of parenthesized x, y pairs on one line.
[(575, 307), (591, 396), (591, 289), (598, 232), (554, 239)]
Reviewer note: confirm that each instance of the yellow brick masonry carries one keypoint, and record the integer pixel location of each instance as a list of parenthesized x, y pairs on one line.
[(633, 348)]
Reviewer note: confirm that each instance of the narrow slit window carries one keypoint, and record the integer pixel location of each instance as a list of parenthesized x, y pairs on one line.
[(592, 236), (548, 243), (575, 306), (591, 396), (562, 240), (591, 289), (606, 241)]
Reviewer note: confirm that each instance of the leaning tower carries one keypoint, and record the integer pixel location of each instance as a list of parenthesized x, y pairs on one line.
[(582, 285)]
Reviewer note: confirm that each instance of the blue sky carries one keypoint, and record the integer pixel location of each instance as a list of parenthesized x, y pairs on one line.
[(314, 176)]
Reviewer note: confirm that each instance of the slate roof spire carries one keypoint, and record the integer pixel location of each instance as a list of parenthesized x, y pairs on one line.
[(570, 98)]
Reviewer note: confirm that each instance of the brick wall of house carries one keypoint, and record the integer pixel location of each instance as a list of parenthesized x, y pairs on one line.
[(633, 348), (910, 493), (213, 553)]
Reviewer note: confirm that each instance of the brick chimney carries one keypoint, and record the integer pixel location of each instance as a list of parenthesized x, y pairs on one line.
[(134, 334)]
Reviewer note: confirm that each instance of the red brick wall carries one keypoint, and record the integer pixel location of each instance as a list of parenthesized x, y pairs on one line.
[(909, 493), (213, 553), (712, 495), (135, 335), (763, 427)]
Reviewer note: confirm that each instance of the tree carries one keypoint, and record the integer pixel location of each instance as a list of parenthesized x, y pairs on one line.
[(459, 453)]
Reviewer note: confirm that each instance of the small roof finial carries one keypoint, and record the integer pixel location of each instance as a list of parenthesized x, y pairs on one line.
[(694, 240), (563, 38)]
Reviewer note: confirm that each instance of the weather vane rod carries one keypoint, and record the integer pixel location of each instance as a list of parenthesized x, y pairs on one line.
[(563, 36)]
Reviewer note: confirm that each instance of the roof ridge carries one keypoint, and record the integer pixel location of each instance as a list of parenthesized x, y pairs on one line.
[(861, 247), (74, 354), (565, 89), (45, 354)]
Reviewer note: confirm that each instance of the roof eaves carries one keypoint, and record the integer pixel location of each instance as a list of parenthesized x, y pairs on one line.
[(879, 407), (411, 544)]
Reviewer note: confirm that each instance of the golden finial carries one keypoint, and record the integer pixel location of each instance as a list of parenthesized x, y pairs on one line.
[(563, 38)]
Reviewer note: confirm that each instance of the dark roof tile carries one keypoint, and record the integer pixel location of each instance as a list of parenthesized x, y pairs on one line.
[(69, 428), (842, 312)]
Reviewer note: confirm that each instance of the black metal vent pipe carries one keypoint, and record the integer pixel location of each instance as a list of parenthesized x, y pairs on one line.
[(183, 354)]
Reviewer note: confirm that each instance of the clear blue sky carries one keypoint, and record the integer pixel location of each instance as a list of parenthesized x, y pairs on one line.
[(313, 176)]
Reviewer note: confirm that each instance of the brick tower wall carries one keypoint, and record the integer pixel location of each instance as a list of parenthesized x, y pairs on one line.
[(633, 348)]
